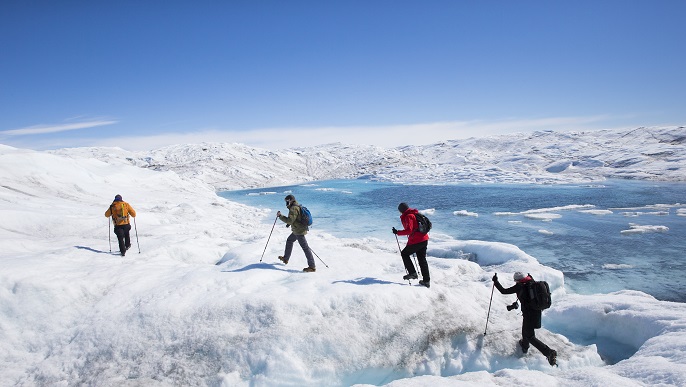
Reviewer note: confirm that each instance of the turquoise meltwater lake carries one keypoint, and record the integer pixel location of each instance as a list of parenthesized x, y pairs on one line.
[(604, 237)]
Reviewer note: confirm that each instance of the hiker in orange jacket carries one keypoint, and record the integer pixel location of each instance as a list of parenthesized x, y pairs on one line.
[(119, 211)]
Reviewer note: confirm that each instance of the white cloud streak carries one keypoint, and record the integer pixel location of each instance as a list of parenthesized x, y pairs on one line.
[(43, 129)]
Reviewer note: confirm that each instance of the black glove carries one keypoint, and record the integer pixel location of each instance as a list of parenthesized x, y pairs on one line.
[(288, 225), (395, 231), (495, 277)]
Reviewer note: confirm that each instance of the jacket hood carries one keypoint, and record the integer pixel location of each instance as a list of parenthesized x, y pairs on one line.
[(411, 211), (525, 279)]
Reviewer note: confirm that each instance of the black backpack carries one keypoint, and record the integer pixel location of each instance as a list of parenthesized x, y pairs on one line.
[(424, 224), (538, 294)]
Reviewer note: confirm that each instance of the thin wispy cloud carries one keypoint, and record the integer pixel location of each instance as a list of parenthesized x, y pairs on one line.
[(44, 129)]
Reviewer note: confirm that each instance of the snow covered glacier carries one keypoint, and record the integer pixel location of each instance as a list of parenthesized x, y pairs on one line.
[(197, 307)]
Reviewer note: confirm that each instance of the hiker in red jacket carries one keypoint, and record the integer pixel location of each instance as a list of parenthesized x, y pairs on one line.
[(416, 243)]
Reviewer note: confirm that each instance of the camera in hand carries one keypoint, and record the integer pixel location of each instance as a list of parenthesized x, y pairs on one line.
[(514, 305)]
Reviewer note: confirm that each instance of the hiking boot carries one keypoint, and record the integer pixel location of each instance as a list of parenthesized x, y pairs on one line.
[(425, 283), (552, 358), (285, 261), (410, 276), (521, 345), (310, 269), (127, 247), (123, 253)]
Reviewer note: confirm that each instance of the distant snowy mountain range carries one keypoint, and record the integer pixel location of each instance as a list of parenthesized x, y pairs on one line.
[(538, 157)]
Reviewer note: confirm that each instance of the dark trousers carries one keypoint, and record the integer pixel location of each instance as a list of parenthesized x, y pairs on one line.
[(420, 250), (531, 321), (123, 237), (303, 243)]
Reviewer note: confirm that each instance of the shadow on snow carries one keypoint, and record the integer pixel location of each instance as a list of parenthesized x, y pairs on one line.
[(367, 281), (254, 266), (94, 250)]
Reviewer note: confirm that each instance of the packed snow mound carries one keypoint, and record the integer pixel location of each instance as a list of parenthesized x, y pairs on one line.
[(539, 157), (200, 306)]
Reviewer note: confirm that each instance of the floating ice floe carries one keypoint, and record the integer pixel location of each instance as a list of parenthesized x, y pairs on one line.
[(545, 232), (547, 214), (639, 213), (261, 193), (597, 212), (465, 213), (639, 229), (617, 266), (546, 217)]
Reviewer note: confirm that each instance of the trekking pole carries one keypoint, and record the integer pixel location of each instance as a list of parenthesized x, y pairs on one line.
[(401, 254), (416, 265), (270, 236), (489, 307), (136, 228), (398, 242), (319, 258), (109, 234)]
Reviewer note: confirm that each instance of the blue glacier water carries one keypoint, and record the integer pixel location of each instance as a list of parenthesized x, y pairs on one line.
[(590, 249)]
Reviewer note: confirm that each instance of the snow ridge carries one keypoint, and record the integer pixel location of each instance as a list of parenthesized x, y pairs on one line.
[(542, 157)]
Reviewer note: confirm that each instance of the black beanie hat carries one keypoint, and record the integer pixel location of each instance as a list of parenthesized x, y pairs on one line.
[(402, 207)]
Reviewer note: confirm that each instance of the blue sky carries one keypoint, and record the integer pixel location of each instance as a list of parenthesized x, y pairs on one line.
[(277, 74)]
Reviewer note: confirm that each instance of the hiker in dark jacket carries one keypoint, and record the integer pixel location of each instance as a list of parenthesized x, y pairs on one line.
[(298, 231), (531, 317), (416, 243)]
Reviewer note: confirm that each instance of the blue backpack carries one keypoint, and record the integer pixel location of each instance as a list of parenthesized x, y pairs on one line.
[(305, 216)]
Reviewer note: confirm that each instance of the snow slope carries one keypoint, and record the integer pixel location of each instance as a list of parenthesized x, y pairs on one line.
[(540, 157), (197, 306)]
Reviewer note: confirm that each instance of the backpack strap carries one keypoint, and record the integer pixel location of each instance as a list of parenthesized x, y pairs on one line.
[(124, 212), (300, 213)]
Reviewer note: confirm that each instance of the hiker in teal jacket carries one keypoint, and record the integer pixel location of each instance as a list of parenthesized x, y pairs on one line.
[(298, 231)]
